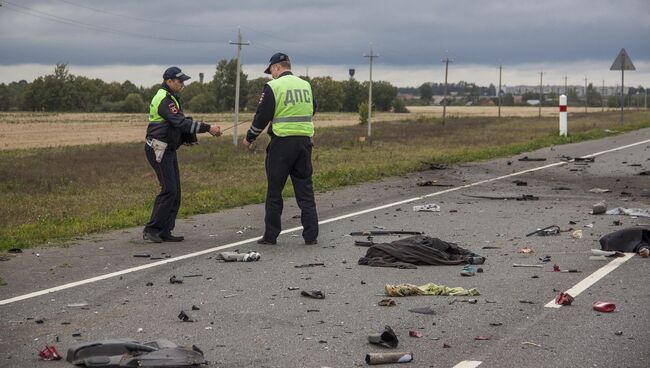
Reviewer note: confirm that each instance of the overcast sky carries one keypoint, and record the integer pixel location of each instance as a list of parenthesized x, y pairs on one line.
[(135, 40)]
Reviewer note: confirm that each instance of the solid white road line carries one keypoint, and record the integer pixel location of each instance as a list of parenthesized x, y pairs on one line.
[(593, 278), (230, 245), (468, 364)]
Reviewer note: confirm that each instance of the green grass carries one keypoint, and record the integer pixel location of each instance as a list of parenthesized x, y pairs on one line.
[(53, 195)]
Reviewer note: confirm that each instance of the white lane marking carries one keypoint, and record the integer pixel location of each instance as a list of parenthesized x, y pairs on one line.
[(593, 278), (468, 364), (214, 249)]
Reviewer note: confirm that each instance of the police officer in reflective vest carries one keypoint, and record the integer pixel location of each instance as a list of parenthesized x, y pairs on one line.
[(168, 129), (287, 103)]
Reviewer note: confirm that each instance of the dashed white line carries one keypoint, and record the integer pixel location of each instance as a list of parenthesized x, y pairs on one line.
[(468, 364), (230, 245), (593, 278)]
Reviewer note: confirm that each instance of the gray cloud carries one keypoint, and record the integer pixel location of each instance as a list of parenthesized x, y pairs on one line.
[(336, 32)]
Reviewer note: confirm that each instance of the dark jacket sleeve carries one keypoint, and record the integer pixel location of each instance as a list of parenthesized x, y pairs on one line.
[(263, 114), (175, 116)]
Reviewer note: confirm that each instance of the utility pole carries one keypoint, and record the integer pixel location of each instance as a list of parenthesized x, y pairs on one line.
[(370, 57), (566, 91), (446, 60), (586, 96), (236, 120), (541, 93), (499, 92), (645, 102), (602, 96)]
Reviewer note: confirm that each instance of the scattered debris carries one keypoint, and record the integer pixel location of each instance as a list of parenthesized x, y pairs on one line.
[(604, 307), (547, 258), (293, 288), (520, 183), (526, 250), (527, 265), (385, 232), (77, 305), (432, 183), (526, 158), (310, 265), (556, 268), (49, 352), (386, 339), (584, 159), (599, 190), (468, 271), (185, 317), (174, 280), (496, 324), (640, 212), (386, 303), (549, 230), (314, 294), (195, 308), (239, 257), (408, 252), (431, 207), (388, 358), (526, 302), (523, 197), (446, 346), (482, 338), (618, 333), (427, 289), (414, 333), (362, 243), (599, 208), (131, 353), (423, 310), (577, 234), (142, 255), (531, 344), (564, 299), (561, 188)]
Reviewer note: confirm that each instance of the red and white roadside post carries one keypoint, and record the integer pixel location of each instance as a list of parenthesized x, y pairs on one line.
[(563, 116)]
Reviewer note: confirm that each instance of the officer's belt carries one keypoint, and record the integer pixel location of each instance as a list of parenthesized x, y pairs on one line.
[(293, 119)]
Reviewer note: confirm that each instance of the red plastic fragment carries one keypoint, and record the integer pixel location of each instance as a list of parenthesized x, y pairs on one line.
[(604, 307), (564, 299), (414, 333), (556, 268), (49, 353)]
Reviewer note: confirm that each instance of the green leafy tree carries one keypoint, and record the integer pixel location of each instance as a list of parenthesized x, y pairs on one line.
[(399, 106), (353, 94), (426, 91), (383, 95), (223, 85), (133, 103), (363, 113), (255, 87), (203, 103), (328, 93)]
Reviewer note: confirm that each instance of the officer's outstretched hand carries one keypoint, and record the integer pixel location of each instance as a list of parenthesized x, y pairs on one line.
[(215, 130), (247, 144)]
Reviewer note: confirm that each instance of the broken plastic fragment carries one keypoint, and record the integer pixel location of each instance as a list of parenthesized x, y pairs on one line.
[(414, 333), (564, 299), (49, 353), (604, 307)]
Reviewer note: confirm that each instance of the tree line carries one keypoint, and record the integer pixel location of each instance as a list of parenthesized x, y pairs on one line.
[(64, 92)]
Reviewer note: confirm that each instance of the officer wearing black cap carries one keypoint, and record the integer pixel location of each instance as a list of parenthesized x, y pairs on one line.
[(168, 129), (288, 104)]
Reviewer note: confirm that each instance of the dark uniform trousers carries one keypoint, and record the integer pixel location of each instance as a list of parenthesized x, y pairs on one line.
[(290, 156), (168, 201)]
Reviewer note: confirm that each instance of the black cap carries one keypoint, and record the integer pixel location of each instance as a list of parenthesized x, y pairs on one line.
[(276, 58), (175, 72)]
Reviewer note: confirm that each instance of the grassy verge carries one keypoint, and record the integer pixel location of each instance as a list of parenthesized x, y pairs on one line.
[(57, 194)]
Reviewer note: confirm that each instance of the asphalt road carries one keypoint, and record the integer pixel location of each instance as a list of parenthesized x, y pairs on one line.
[(248, 317)]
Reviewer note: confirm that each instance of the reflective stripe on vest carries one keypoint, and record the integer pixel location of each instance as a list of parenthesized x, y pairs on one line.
[(294, 107), (154, 117)]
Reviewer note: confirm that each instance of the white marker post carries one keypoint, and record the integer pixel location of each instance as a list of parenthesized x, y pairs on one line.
[(563, 116)]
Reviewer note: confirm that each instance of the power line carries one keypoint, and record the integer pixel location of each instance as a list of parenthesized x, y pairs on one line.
[(128, 16), (72, 22)]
